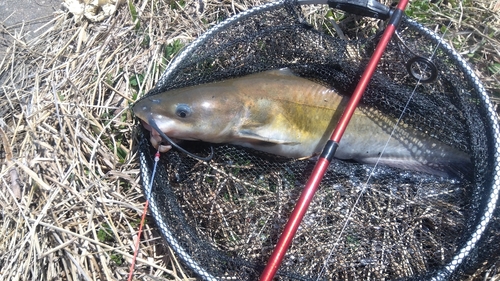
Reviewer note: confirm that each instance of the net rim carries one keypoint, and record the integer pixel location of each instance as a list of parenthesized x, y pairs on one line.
[(492, 200), (441, 273)]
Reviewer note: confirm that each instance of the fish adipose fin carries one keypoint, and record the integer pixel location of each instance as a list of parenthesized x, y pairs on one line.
[(252, 137)]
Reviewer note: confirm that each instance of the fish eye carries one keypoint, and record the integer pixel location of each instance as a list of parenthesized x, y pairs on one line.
[(183, 110)]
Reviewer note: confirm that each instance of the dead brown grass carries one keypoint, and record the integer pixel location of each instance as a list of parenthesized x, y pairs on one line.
[(70, 197), (474, 32)]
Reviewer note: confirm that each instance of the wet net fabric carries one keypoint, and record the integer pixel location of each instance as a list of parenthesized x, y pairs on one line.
[(223, 217)]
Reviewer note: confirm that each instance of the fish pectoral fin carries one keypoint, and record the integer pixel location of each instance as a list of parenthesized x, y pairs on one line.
[(284, 72), (253, 137)]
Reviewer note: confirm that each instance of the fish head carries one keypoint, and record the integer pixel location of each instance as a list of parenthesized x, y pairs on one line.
[(193, 113)]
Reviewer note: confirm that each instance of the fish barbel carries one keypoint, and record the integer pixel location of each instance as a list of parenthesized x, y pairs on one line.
[(280, 113)]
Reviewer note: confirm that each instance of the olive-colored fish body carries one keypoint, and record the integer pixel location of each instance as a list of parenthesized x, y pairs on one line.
[(283, 114)]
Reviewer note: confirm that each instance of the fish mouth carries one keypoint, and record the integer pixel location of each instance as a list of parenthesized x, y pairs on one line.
[(159, 138), (156, 134)]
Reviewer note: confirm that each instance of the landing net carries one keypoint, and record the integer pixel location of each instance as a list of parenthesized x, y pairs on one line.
[(224, 217)]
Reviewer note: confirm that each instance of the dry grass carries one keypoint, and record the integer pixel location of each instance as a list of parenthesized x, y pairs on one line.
[(474, 31), (70, 197)]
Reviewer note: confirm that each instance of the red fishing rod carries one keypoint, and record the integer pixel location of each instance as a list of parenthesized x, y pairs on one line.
[(370, 8)]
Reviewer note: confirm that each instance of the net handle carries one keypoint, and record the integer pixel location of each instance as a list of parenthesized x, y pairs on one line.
[(365, 8), (329, 150)]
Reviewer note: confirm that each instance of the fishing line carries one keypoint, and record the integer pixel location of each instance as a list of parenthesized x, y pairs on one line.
[(363, 189), (143, 217), (329, 149), (372, 171), (152, 123)]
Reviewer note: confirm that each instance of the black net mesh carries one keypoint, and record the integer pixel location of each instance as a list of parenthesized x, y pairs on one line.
[(224, 217)]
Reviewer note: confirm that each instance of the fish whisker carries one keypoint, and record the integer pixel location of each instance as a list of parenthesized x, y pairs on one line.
[(152, 123)]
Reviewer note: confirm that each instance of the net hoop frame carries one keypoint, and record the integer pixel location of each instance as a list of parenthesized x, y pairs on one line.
[(442, 273)]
